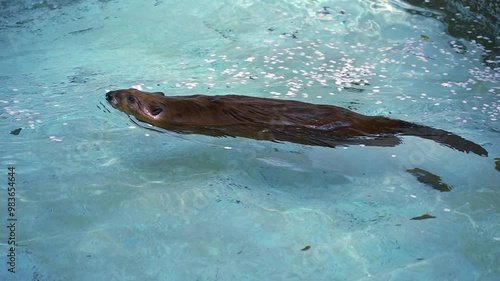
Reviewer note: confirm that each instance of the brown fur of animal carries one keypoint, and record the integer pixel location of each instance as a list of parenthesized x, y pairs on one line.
[(275, 120)]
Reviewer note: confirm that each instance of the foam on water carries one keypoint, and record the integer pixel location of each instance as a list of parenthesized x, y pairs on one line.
[(101, 198)]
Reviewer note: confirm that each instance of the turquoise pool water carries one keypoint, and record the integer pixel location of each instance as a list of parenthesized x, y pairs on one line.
[(98, 198)]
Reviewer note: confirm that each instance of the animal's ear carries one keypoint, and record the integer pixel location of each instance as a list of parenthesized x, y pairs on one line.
[(158, 93)]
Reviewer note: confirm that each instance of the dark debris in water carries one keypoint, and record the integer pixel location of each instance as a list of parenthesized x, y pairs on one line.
[(497, 164), (325, 11), (423, 217), (290, 34), (353, 89), (307, 247), (16, 131), (430, 179)]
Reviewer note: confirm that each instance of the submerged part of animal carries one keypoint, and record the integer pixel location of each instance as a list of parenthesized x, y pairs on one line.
[(275, 120)]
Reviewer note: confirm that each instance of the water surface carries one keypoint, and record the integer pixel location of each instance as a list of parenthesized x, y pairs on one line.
[(99, 198)]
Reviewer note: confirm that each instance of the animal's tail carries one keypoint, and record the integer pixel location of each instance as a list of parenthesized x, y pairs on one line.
[(442, 137)]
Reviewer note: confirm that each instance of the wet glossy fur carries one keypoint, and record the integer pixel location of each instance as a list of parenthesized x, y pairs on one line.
[(275, 120)]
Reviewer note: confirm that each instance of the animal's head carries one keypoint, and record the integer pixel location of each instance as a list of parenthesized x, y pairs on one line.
[(146, 107)]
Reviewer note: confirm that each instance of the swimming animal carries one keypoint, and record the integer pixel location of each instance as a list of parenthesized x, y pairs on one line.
[(275, 120)]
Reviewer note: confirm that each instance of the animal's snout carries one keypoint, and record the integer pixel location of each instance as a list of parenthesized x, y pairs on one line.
[(109, 96)]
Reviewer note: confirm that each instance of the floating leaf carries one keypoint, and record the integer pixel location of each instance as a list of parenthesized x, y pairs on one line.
[(425, 37), (307, 247), (429, 179), (16, 131)]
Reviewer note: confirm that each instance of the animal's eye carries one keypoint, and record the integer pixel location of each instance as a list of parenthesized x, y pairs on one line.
[(155, 111), (131, 99)]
